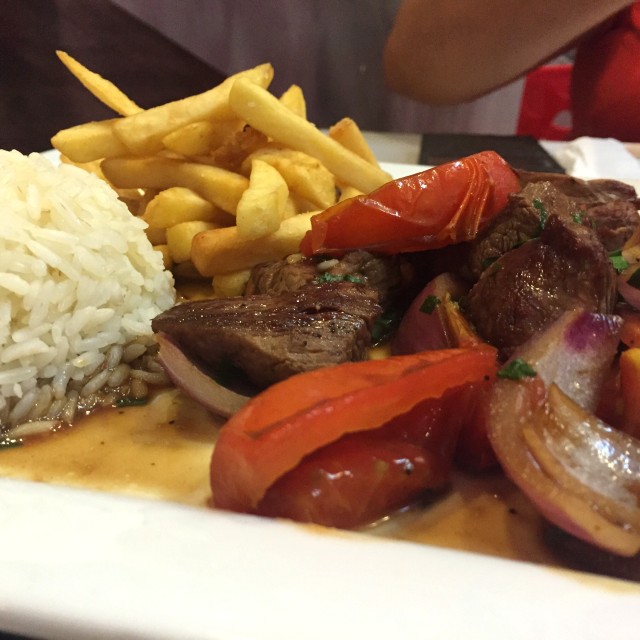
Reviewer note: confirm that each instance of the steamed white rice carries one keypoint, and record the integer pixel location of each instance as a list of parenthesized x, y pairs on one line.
[(78, 277)]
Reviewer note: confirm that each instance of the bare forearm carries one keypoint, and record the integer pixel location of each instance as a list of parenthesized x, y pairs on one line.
[(447, 51)]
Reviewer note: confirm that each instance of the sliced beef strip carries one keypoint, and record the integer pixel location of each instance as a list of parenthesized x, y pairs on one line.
[(271, 337), (528, 287), (281, 276), (585, 193), (614, 220), (518, 222), (382, 273)]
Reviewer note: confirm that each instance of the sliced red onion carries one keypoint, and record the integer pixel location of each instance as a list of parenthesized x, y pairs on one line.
[(426, 323), (583, 475), (574, 352), (194, 382)]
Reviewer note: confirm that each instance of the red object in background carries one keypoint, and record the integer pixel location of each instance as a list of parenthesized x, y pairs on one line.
[(545, 111), (606, 80)]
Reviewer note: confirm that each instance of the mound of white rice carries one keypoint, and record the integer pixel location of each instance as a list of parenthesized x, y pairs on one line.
[(77, 277)]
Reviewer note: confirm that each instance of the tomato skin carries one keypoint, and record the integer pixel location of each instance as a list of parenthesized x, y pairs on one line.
[(430, 209), (474, 451), (292, 419), (364, 476)]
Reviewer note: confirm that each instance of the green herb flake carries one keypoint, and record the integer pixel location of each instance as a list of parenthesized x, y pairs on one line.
[(634, 280), (329, 277), (385, 325), (543, 214), (618, 261), (430, 304), (516, 370), (578, 217)]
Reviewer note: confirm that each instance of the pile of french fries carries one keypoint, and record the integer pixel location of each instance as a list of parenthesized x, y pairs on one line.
[(225, 179)]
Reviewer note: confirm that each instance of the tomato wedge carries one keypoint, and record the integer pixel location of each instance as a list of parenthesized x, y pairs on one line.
[(274, 432), (430, 209), (364, 476)]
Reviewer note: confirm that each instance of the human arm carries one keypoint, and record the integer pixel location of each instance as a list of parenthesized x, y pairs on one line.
[(450, 51)]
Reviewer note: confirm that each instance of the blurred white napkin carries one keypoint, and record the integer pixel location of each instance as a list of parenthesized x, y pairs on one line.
[(589, 158)]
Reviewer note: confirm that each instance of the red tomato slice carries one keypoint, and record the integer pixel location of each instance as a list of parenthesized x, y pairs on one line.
[(364, 476), (431, 209), (272, 433)]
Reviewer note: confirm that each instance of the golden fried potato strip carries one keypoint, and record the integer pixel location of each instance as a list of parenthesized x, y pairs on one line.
[(179, 204), (88, 142), (102, 89), (267, 114), (293, 99), (349, 135), (220, 187), (262, 206), (223, 250), (142, 133), (306, 176)]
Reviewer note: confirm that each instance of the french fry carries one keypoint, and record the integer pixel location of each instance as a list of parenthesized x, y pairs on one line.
[(88, 142), (142, 133), (293, 99), (228, 285), (178, 204), (180, 236), (192, 139), (157, 236), (223, 251), (261, 207), (102, 89), (348, 134), (304, 175), (267, 114), (220, 187), (166, 256), (232, 153), (349, 192)]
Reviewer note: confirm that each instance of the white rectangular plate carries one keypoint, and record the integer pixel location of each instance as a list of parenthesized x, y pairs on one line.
[(79, 564)]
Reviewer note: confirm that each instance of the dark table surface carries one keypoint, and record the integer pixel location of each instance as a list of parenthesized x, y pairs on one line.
[(38, 96)]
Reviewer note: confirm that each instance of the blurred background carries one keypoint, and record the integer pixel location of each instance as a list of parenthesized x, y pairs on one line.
[(162, 50)]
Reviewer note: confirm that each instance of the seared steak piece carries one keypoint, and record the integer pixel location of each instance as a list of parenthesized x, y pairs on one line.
[(566, 267), (279, 277), (613, 219), (614, 222), (272, 337), (382, 273), (585, 193), (521, 220)]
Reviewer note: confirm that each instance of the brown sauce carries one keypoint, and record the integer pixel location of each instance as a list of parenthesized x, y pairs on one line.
[(162, 451)]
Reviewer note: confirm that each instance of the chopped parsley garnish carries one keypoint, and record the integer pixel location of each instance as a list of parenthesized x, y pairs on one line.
[(578, 217), (385, 325), (634, 280), (618, 261), (516, 370), (430, 304), (543, 214), (329, 277)]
